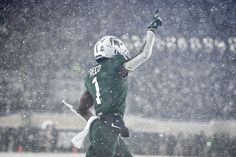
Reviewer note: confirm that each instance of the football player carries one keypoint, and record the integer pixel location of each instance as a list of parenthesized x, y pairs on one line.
[(106, 89)]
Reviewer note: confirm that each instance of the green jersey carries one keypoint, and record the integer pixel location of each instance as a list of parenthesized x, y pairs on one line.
[(107, 87)]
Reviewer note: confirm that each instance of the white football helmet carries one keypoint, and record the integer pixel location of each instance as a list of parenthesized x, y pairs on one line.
[(109, 46)]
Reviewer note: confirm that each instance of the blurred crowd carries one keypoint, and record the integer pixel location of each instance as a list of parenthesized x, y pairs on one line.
[(50, 139), (184, 145), (47, 46), (185, 85)]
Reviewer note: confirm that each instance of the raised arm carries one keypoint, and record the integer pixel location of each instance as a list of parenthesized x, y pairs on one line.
[(146, 49), (86, 101)]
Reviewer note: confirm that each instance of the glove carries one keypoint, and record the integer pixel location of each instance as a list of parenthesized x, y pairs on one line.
[(156, 22)]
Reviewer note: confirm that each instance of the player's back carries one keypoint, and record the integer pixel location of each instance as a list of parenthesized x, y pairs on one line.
[(107, 87)]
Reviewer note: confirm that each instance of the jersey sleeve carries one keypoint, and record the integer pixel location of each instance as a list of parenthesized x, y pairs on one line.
[(119, 66), (86, 82)]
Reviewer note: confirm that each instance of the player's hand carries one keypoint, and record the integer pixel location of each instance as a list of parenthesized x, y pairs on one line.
[(156, 22)]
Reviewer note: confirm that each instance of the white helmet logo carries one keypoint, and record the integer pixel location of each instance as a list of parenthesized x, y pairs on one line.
[(108, 47)]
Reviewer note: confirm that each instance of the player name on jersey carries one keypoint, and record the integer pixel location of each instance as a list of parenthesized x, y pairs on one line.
[(94, 70)]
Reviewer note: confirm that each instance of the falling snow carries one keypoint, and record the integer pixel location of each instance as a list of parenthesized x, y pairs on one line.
[(46, 46)]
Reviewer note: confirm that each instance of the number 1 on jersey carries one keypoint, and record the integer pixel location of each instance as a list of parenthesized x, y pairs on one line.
[(95, 82)]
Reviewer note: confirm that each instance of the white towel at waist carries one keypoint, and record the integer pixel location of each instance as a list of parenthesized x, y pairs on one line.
[(78, 140)]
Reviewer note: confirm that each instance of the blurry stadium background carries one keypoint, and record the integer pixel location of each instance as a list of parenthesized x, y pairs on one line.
[(182, 102)]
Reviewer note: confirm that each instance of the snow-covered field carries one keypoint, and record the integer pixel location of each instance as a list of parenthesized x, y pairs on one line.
[(54, 155)]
